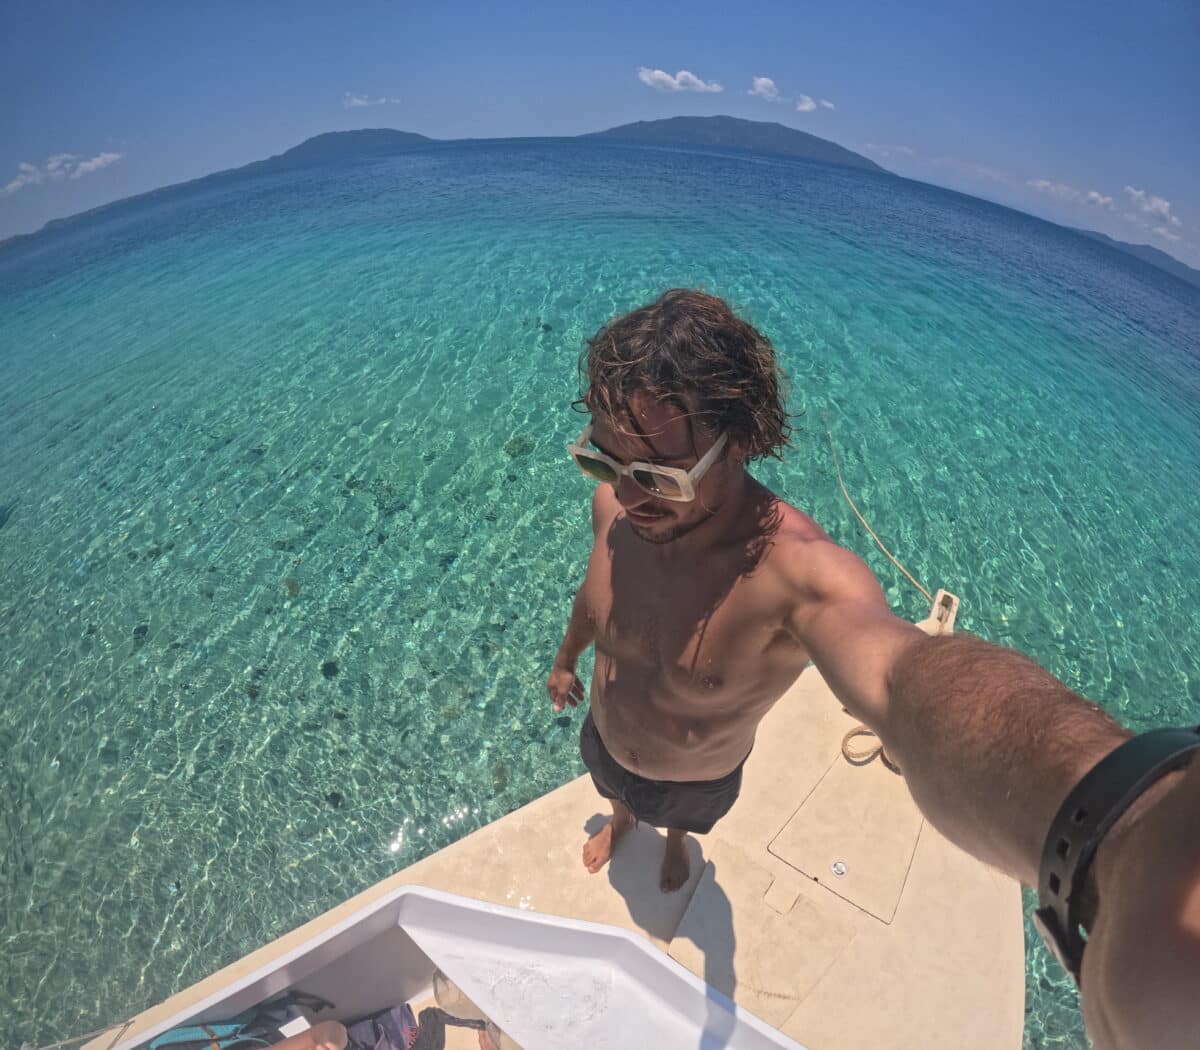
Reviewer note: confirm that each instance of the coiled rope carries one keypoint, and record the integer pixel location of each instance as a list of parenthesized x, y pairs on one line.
[(861, 756)]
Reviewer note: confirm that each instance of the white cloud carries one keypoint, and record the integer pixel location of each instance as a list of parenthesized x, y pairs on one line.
[(1149, 204), (57, 167), (1059, 190), (681, 81), (971, 169), (1164, 233), (764, 87), (353, 101), (885, 151), (27, 175), (101, 160)]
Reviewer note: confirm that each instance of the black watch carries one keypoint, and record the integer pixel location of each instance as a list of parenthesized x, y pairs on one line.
[(1094, 805)]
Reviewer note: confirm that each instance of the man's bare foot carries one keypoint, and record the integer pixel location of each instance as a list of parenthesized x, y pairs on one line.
[(598, 849), (675, 867)]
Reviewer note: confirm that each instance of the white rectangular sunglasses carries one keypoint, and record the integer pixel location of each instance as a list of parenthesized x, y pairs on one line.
[(669, 483)]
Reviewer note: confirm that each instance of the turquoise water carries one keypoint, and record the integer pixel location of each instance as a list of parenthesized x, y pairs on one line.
[(291, 536)]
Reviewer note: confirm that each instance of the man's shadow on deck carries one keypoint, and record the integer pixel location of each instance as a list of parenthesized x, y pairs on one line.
[(633, 872)]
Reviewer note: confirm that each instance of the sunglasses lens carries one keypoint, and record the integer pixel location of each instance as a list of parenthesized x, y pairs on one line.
[(596, 468), (662, 485)]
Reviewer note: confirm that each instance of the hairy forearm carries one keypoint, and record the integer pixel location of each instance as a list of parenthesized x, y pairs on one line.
[(580, 633), (990, 745)]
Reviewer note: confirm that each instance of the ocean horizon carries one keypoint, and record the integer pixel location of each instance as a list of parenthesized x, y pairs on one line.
[(288, 533)]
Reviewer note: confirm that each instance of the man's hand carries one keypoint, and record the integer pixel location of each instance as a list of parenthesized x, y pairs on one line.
[(1141, 969), (564, 687)]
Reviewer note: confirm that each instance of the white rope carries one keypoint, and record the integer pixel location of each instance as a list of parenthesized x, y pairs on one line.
[(122, 1028), (857, 756), (838, 467)]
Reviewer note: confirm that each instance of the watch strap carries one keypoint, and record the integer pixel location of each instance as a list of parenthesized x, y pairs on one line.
[(1091, 808)]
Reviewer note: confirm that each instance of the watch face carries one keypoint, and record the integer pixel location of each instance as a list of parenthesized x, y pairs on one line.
[(1046, 923)]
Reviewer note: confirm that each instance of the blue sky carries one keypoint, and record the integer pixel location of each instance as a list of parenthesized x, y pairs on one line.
[(1084, 113)]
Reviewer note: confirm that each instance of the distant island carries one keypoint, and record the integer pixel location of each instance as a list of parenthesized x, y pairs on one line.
[(749, 136), (724, 133), (1148, 254), (337, 145), (732, 133), (320, 149)]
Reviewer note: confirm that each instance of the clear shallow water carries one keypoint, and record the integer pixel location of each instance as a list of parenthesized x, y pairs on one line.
[(291, 534)]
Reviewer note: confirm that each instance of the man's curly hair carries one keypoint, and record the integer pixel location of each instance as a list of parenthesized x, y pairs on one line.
[(691, 344)]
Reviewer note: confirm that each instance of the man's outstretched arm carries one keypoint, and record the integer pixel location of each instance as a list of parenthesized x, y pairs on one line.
[(990, 745), (989, 742)]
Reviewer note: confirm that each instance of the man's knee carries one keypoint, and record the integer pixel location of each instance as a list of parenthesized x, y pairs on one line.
[(329, 1035)]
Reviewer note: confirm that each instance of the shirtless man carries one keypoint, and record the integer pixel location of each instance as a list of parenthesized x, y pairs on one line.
[(705, 596), (697, 606)]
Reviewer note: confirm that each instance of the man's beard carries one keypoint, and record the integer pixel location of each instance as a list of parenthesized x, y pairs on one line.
[(673, 533)]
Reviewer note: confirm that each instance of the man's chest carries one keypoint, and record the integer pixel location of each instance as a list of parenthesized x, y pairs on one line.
[(699, 622)]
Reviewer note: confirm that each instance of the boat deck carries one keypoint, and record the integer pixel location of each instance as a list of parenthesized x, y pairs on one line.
[(823, 903)]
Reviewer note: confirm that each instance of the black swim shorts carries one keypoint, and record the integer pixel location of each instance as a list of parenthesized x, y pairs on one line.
[(686, 805)]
